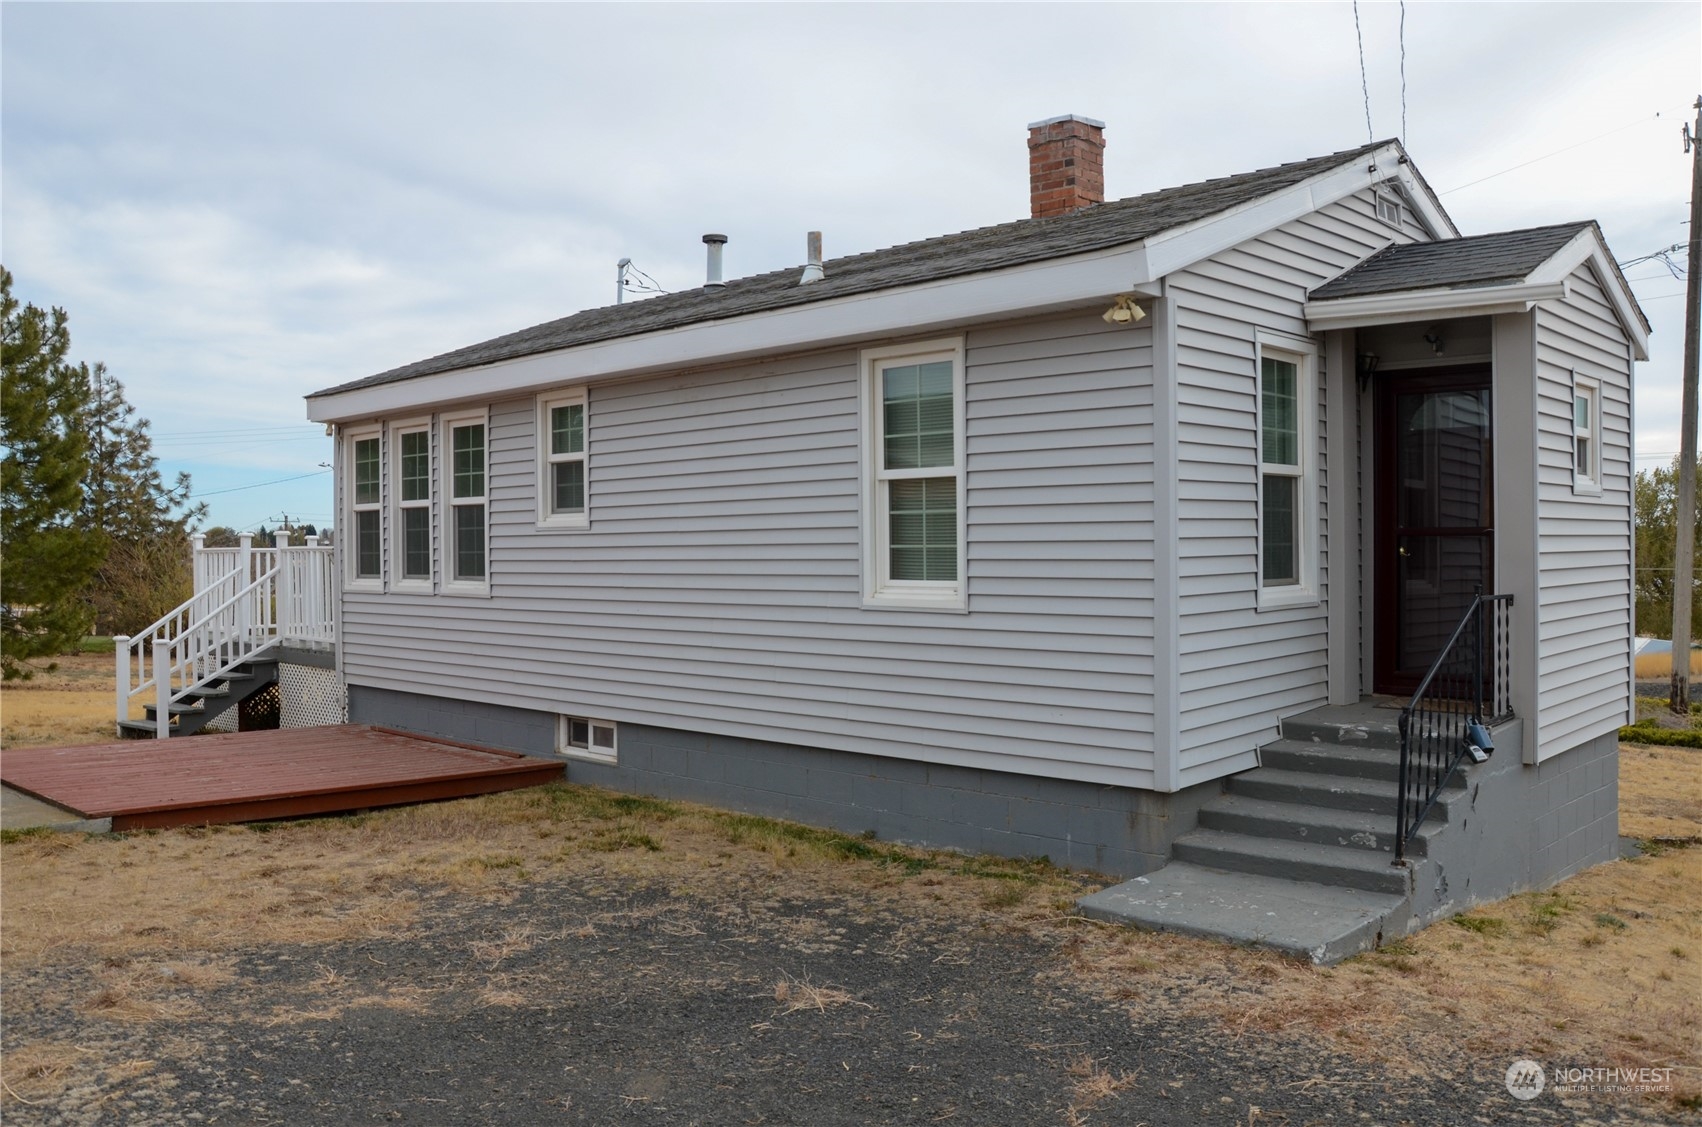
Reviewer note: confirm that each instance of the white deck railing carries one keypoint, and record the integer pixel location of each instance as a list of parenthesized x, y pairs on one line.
[(246, 600)]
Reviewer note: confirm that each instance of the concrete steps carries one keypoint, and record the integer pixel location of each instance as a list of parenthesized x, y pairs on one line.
[(1298, 853), (1325, 825), (1317, 923)]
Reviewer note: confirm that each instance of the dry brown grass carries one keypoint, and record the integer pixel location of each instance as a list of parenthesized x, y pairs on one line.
[(1092, 1084), (1660, 792), (794, 994), (72, 705), (1652, 667)]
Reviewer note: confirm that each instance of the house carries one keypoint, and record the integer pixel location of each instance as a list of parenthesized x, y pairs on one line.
[(1101, 535)]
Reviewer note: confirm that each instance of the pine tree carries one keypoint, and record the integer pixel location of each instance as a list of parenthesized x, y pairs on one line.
[(143, 522), (46, 557)]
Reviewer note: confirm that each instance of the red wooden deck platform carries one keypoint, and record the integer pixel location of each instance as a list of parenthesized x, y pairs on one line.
[(256, 776)]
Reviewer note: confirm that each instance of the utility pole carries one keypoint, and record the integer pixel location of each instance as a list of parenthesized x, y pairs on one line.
[(1684, 547)]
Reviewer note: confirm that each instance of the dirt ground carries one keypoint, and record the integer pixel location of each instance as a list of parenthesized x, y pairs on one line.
[(568, 955)]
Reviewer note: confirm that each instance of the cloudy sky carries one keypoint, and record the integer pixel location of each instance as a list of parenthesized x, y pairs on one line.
[(240, 204)]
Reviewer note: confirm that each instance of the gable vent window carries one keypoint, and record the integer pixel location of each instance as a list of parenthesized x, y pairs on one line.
[(366, 556), (1389, 209), (579, 737)]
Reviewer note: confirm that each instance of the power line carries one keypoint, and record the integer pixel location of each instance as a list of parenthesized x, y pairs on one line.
[(1403, 72), (258, 484), (1364, 86), (1545, 156)]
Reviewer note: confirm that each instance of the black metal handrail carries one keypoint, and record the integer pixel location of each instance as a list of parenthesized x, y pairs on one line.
[(1468, 688)]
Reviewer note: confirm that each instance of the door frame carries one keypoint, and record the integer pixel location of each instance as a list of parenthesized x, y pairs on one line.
[(1384, 578)]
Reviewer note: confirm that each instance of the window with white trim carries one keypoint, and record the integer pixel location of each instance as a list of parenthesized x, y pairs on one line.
[(465, 508), (561, 460), (411, 493), (365, 552), (1586, 435), (1388, 208), (579, 737), (913, 508), (1287, 480)]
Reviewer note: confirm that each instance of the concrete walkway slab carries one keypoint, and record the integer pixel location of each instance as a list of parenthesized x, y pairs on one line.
[(20, 811), (1319, 923)]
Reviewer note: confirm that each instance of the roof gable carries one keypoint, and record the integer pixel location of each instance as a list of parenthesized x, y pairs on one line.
[(1499, 272)]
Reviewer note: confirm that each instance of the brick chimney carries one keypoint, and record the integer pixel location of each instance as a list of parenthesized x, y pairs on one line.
[(1066, 165)]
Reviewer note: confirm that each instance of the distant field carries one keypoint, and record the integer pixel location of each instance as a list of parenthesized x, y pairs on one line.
[(71, 705)]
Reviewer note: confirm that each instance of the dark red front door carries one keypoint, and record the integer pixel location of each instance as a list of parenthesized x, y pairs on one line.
[(1435, 501)]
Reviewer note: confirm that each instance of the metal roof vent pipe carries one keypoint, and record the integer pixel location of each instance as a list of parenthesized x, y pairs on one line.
[(812, 270), (714, 243)]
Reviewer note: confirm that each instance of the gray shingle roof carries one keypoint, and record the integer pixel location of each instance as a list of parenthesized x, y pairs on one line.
[(1480, 260), (988, 248)]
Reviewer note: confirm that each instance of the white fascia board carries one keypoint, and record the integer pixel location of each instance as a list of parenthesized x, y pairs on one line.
[(1189, 243), (1028, 289), (1587, 246), (1425, 305)]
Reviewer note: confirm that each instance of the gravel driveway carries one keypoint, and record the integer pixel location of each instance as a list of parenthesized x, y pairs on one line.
[(595, 1002)]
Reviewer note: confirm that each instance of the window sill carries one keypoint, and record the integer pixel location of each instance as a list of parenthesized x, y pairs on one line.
[(412, 586), (472, 590), (364, 586), (1286, 598), (576, 522), (1584, 487), (952, 602)]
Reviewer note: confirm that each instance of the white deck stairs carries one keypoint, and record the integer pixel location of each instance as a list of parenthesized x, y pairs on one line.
[(221, 646), (1298, 854)]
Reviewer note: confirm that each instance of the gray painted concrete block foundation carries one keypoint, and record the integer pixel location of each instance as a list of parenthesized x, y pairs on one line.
[(1113, 830)]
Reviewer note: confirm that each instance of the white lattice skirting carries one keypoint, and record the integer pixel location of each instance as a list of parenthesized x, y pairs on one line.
[(310, 697)]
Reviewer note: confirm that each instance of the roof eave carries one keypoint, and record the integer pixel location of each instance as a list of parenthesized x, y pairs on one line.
[(1032, 288), (1429, 304)]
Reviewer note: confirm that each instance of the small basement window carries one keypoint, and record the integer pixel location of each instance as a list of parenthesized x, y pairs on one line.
[(581, 738)]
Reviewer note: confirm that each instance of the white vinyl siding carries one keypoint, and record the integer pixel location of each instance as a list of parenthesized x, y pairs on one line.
[(1583, 536), (719, 589), (1243, 668)]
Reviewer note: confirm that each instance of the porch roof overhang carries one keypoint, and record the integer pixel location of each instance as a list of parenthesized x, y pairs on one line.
[(1478, 276)]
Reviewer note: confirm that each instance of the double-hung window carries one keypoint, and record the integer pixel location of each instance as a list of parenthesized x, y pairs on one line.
[(412, 494), (466, 511), (561, 460), (913, 507), (365, 553), (1586, 435), (1287, 377)]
